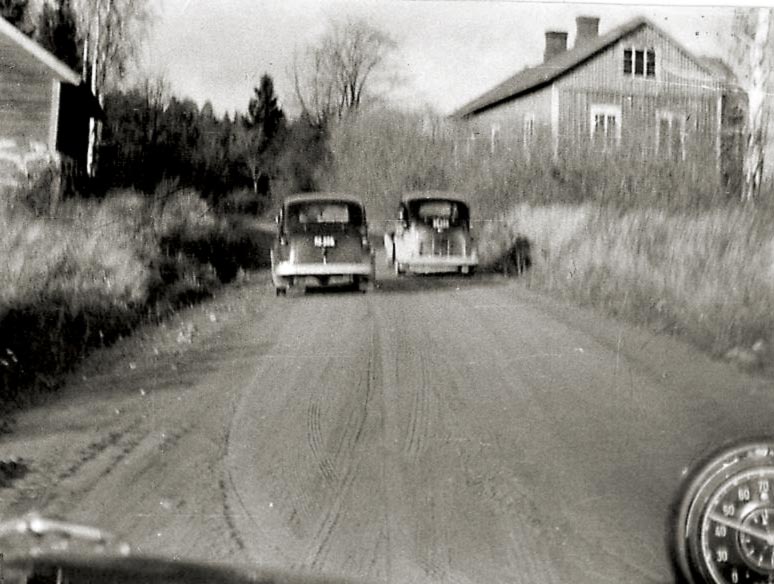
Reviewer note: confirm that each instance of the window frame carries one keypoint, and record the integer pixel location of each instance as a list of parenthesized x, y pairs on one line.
[(640, 58), (606, 110)]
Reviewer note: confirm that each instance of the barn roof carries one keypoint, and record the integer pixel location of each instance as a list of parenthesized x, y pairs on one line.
[(58, 68), (532, 79)]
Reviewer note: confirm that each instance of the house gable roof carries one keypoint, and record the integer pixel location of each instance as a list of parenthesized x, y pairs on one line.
[(532, 79), (58, 68)]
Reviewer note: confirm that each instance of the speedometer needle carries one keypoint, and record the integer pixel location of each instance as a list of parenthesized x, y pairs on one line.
[(746, 529)]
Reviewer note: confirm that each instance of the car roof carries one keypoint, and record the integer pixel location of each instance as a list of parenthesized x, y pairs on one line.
[(435, 196), (311, 197)]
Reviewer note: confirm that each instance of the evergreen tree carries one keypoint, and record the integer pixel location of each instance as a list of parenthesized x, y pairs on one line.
[(260, 139)]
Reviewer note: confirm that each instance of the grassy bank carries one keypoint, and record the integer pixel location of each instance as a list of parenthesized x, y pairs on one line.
[(706, 275), (90, 274)]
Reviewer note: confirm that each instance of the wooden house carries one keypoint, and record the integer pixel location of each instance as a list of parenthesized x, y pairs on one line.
[(44, 108), (633, 90)]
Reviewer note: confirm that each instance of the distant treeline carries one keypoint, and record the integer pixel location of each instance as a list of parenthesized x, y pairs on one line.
[(148, 140)]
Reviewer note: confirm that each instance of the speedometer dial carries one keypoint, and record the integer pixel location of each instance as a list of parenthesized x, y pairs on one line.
[(724, 530)]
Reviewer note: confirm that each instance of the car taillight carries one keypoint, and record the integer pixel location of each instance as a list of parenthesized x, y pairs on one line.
[(364, 237)]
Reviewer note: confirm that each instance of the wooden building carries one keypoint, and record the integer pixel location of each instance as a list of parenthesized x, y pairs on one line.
[(44, 108), (633, 90)]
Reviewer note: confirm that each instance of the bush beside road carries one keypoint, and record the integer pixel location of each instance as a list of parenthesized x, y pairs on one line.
[(94, 271), (707, 275)]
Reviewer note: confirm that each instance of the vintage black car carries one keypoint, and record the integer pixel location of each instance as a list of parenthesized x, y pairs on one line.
[(432, 234), (322, 240)]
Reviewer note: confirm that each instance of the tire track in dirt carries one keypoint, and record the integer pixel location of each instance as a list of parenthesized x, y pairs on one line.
[(419, 423), (346, 455), (315, 440)]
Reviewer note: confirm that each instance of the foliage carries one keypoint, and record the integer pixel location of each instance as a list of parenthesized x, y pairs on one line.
[(305, 156), (706, 274), (263, 129), (17, 13), (382, 154), (150, 138), (57, 31), (84, 277), (753, 35), (112, 30)]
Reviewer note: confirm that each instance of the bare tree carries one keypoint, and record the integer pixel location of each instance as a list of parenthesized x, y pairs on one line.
[(337, 74), (754, 62)]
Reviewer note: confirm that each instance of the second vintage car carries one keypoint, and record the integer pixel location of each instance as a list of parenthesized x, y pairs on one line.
[(432, 235), (322, 240)]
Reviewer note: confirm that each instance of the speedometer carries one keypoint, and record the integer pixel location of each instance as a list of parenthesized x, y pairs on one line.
[(724, 522)]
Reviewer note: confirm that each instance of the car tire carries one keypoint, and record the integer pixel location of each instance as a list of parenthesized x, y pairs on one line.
[(280, 292)]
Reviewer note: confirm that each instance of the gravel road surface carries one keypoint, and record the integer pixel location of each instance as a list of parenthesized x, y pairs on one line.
[(438, 429)]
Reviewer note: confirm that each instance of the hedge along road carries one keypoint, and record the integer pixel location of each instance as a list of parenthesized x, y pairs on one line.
[(439, 429)]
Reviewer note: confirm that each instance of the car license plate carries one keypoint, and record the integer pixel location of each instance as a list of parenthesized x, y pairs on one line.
[(324, 241), (441, 223)]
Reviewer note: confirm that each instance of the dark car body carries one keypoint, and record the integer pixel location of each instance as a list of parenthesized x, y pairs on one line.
[(432, 234), (322, 240)]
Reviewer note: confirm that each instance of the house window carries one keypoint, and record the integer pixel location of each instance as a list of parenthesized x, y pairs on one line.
[(627, 61), (670, 135), (639, 62), (529, 129), (605, 128), (650, 63)]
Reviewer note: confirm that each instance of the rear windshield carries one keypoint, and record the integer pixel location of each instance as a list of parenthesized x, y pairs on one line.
[(323, 213), (427, 211)]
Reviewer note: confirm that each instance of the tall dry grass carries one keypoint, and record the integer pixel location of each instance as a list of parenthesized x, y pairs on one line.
[(86, 255), (92, 272), (708, 275), (383, 154)]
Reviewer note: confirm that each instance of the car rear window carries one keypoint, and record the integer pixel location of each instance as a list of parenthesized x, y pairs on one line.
[(427, 211), (324, 213)]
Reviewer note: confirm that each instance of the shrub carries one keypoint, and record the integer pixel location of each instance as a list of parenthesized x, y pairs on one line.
[(706, 274), (88, 275)]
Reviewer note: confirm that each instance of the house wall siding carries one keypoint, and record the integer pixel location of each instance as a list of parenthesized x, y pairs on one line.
[(26, 94), (29, 113), (681, 87), (508, 119)]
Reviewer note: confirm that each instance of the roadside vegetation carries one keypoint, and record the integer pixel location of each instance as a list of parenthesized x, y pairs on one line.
[(657, 243), (90, 274), (171, 210)]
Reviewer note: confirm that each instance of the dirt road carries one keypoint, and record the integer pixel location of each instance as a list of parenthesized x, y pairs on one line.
[(435, 430)]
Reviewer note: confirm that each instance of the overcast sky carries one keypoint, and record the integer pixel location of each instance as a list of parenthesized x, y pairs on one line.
[(449, 51)]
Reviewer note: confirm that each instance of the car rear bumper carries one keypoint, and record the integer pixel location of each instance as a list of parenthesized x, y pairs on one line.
[(291, 270), (440, 263)]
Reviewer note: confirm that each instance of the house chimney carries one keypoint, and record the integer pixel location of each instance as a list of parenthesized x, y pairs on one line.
[(587, 29), (556, 44)]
